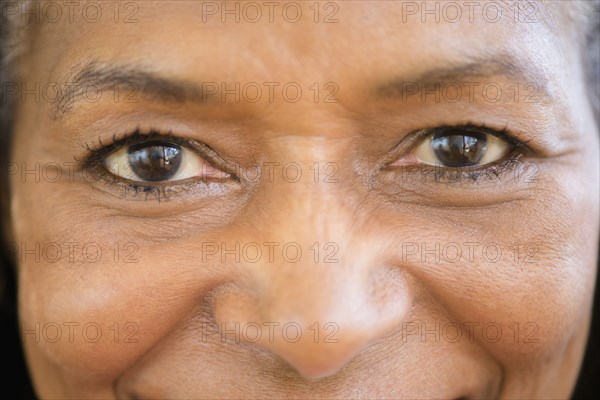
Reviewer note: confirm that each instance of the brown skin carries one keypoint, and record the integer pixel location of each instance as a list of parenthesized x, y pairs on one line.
[(372, 292)]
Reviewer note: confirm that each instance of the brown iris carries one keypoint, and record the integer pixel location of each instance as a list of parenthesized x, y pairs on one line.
[(155, 161), (459, 148)]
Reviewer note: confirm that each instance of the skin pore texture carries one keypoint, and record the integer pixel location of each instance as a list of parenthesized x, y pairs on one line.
[(379, 304)]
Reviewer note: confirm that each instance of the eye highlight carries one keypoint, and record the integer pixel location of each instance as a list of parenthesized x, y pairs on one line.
[(461, 147)]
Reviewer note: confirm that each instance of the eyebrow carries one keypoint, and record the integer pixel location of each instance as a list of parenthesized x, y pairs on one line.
[(504, 66), (128, 79), (95, 77)]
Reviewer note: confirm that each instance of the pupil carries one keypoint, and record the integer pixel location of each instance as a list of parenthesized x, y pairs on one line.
[(459, 149), (155, 161)]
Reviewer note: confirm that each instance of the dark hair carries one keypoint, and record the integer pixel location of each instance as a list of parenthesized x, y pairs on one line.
[(14, 42), (19, 384)]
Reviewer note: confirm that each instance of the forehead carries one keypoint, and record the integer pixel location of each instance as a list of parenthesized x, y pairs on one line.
[(265, 38), (358, 45)]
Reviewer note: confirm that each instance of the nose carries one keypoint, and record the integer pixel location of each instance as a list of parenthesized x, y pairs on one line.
[(319, 324), (324, 302)]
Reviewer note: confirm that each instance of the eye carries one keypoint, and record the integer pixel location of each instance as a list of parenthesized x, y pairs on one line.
[(461, 147), (158, 161)]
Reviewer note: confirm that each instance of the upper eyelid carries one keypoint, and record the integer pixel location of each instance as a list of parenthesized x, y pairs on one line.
[(504, 133), (100, 150), (133, 137)]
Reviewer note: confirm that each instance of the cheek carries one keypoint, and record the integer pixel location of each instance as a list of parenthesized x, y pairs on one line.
[(540, 290), (92, 318), (98, 293), (526, 275), (109, 304)]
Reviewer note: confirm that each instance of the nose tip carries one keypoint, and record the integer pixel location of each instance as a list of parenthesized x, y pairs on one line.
[(320, 328), (318, 350)]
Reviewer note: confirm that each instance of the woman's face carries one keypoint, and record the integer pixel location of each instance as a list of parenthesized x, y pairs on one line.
[(235, 200)]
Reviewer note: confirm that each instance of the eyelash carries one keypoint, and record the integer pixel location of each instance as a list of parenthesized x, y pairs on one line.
[(476, 175), (98, 151)]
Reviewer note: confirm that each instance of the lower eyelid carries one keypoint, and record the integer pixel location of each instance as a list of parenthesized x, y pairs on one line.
[(426, 174), (142, 190)]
